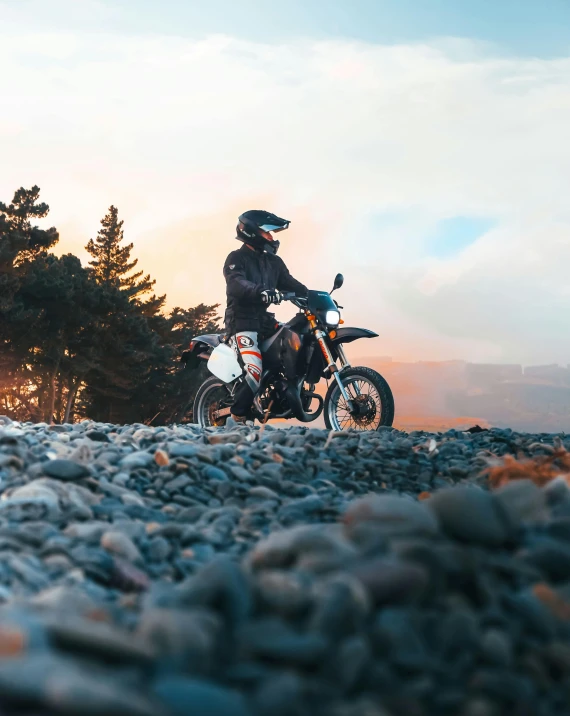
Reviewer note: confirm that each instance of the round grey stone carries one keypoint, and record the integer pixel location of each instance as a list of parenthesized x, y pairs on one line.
[(61, 469), (472, 515)]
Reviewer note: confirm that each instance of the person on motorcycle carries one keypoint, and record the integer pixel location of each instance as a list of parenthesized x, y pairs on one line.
[(255, 276)]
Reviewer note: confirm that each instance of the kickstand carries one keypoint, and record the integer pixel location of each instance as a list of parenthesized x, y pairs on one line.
[(265, 419)]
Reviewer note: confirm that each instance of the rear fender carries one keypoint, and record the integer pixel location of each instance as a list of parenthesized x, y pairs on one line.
[(200, 348)]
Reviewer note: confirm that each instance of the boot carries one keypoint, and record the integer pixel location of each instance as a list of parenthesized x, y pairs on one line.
[(235, 421), (238, 419)]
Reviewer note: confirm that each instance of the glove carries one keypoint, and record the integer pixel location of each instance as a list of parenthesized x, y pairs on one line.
[(271, 296)]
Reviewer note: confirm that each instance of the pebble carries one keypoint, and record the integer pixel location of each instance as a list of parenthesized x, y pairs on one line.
[(496, 648), (97, 436), (53, 682), (285, 591), (61, 469), (158, 549), (190, 635), (280, 694), (388, 516), (391, 582), (523, 501), (182, 449), (274, 640), (284, 572), (120, 544), (192, 696), (470, 514), (139, 458), (34, 500)]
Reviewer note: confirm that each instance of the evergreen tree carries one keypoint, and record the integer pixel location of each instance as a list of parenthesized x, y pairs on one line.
[(78, 342), (125, 357), (132, 343), (53, 327), (112, 263), (177, 393), (20, 241)]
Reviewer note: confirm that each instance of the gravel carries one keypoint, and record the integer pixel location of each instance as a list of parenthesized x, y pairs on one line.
[(257, 572)]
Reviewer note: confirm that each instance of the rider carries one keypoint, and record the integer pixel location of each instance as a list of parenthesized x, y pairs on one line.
[(255, 275)]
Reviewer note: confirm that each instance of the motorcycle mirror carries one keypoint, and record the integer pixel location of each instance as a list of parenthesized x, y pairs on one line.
[(338, 281)]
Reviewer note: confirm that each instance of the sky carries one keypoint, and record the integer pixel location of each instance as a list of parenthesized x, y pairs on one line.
[(420, 147)]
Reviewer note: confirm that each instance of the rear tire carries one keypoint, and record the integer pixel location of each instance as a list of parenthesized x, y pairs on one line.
[(212, 395), (375, 394)]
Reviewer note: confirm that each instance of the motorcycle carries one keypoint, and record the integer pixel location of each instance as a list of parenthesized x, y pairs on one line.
[(301, 353)]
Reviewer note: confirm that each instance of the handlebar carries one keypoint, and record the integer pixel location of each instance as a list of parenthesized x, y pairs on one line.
[(297, 300)]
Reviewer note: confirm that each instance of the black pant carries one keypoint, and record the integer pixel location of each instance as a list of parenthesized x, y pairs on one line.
[(243, 400), (265, 326), (263, 323), (246, 345)]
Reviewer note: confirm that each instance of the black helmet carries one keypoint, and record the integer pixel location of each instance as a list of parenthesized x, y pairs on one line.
[(254, 227)]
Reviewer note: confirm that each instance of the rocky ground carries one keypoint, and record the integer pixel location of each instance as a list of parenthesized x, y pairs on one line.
[(148, 571)]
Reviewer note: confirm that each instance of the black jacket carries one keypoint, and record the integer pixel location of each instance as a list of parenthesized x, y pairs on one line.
[(247, 274)]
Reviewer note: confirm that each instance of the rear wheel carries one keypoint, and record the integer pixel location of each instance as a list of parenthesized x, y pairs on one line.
[(371, 395), (212, 403)]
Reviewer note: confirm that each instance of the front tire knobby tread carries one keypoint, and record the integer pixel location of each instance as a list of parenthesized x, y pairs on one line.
[(381, 385)]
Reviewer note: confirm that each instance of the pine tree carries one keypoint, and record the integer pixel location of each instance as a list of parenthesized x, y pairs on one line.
[(53, 330), (178, 387), (21, 245), (80, 342), (20, 241), (112, 262), (133, 345), (125, 357)]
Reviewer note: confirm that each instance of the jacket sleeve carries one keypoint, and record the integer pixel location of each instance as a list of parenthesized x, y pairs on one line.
[(237, 284), (288, 283)]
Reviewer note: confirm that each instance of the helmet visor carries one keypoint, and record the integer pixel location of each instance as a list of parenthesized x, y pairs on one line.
[(272, 227)]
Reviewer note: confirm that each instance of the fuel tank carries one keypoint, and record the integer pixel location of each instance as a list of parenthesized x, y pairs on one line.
[(283, 348)]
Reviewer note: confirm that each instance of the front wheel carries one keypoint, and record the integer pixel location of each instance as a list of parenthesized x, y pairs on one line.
[(372, 398), (212, 403)]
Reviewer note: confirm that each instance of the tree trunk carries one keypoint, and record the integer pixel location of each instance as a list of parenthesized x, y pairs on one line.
[(51, 395), (41, 398), (71, 395), (59, 400), (79, 384)]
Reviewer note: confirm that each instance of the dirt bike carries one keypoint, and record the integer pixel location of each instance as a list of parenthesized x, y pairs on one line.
[(296, 357)]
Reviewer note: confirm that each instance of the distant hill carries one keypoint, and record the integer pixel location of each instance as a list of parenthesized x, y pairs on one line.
[(440, 395)]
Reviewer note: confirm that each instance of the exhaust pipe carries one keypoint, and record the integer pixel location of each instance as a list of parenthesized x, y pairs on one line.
[(294, 398)]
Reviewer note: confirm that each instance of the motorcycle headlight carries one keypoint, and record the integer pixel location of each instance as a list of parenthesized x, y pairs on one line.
[(332, 318)]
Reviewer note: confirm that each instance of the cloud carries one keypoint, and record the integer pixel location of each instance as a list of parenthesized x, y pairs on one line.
[(179, 133)]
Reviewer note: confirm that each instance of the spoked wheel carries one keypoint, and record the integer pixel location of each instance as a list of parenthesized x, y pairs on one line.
[(212, 403), (372, 399)]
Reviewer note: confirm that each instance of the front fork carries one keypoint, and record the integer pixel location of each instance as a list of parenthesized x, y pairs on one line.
[(346, 364), (332, 367)]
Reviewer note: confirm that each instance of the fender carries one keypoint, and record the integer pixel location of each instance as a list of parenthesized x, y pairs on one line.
[(347, 335), (200, 348), (210, 339)]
